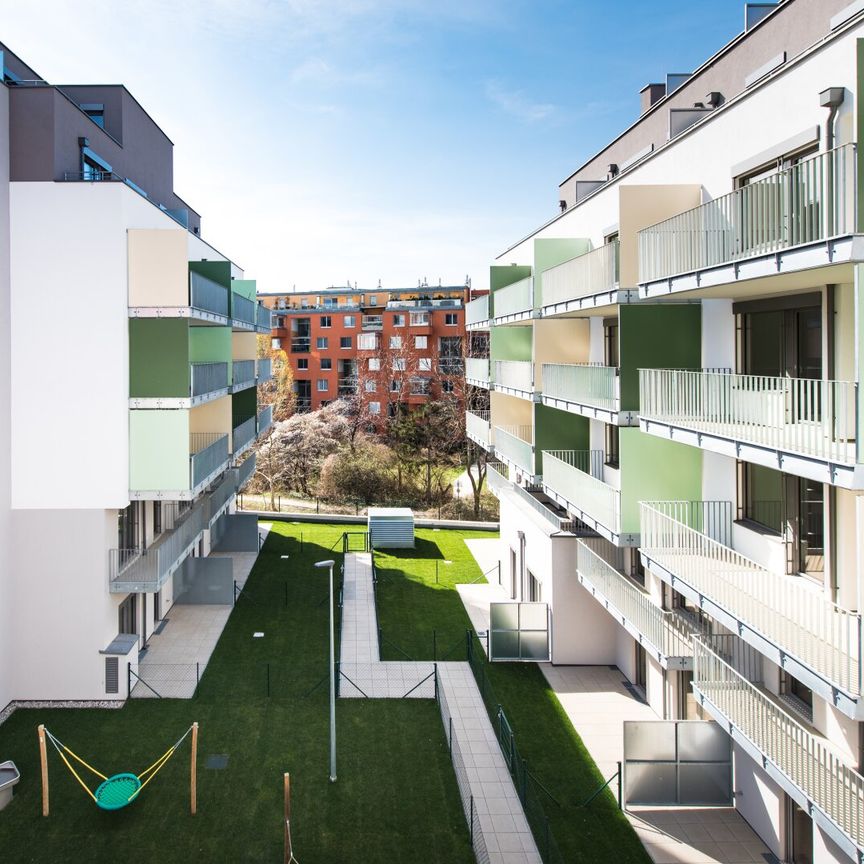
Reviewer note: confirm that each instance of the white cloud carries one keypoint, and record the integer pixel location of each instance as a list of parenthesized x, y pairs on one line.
[(518, 105)]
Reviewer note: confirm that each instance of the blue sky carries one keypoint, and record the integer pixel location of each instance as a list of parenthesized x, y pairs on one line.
[(333, 140)]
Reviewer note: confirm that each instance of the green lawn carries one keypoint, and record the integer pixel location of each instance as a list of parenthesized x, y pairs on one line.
[(396, 798), (411, 603)]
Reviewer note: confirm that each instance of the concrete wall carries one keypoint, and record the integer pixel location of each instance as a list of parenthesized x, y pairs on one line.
[(158, 268)]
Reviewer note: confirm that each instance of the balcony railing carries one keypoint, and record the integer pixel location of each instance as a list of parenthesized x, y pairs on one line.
[(372, 322), (516, 444), (265, 419), (797, 415), (263, 317), (667, 633), (245, 471), (809, 202), (450, 365), (420, 387), (208, 452), (301, 344), (514, 299), (477, 369), (208, 378), (265, 369), (515, 374), (347, 386), (594, 272), (574, 476), (497, 477), (220, 496), (478, 427), (477, 311), (243, 373), (243, 435), (243, 309), (555, 519), (583, 384), (207, 295), (802, 622), (803, 758)]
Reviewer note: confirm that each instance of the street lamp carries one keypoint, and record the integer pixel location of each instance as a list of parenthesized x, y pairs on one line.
[(321, 565)]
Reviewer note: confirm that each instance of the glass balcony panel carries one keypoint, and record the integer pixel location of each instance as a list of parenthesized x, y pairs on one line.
[(594, 272), (515, 374), (265, 369), (265, 419), (245, 471), (243, 435), (243, 372), (207, 295), (477, 369), (477, 311), (243, 309), (514, 299), (574, 476), (516, 444), (478, 427), (582, 383)]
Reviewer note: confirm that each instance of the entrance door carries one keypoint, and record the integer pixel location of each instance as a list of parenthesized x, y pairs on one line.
[(799, 835), (641, 667), (688, 706), (127, 619)]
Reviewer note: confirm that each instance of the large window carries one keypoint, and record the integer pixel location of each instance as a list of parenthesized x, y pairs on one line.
[(398, 320), (344, 341), (349, 320), (374, 364), (302, 363), (421, 342)]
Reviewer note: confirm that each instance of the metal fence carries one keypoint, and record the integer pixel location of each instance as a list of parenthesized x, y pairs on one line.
[(208, 452), (245, 471), (584, 383), (208, 378), (265, 419), (594, 272), (265, 369), (242, 308), (263, 316), (207, 295), (243, 434), (242, 372)]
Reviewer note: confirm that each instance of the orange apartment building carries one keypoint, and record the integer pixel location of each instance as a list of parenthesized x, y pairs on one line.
[(392, 347)]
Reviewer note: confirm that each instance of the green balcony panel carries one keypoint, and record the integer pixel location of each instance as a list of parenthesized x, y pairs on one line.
[(210, 345), (158, 450), (502, 276), (510, 343), (218, 271), (558, 430), (244, 404), (159, 357)]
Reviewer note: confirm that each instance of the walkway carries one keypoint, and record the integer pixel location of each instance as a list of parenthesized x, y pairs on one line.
[(488, 794)]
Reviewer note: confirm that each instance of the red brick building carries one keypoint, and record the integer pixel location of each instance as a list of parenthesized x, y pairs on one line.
[(392, 347)]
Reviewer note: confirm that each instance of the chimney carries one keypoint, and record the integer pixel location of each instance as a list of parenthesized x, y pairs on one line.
[(651, 94)]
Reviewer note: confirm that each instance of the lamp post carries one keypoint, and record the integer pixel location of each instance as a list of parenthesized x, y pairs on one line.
[(329, 565)]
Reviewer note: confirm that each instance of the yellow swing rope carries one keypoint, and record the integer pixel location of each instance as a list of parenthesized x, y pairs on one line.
[(57, 745), (158, 765)]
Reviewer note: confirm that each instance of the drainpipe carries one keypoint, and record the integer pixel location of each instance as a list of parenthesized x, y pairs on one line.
[(832, 99), (521, 536)]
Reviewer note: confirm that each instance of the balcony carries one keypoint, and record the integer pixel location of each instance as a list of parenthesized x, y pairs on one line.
[(243, 375), (265, 419), (478, 428), (243, 436), (208, 296), (347, 386), (497, 477), (799, 761), (666, 635), (265, 370), (372, 322), (785, 617), (147, 570), (451, 365), (477, 313), (572, 478), (477, 371), (515, 377), (207, 381), (263, 319), (301, 344), (245, 471), (588, 389), (221, 495), (418, 319), (515, 446), (798, 425), (537, 500), (243, 312), (208, 456), (420, 387), (588, 280), (792, 220), (514, 302)]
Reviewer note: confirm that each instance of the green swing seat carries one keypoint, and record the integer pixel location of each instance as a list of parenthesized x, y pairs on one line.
[(117, 791)]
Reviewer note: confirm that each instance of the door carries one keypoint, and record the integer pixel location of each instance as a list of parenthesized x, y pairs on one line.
[(799, 835), (127, 619), (688, 707), (641, 667)]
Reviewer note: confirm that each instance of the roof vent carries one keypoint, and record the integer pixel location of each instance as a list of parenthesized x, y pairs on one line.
[(611, 171), (755, 12), (651, 94), (714, 99)]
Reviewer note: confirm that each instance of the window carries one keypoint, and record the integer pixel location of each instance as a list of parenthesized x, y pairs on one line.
[(280, 321), (371, 385), (447, 386), (96, 112), (344, 341), (399, 364), (610, 339), (349, 320), (157, 517), (420, 386), (330, 303), (761, 496), (373, 300), (797, 694), (421, 341), (395, 341), (398, 320), (322, 342), (425, 364), (535, 589), (127, 619), (612, 439), (275, 344), (395, 385), (366, 342), (323, 385), (326, 363), (451, 319), (419, 319), (374, 364), (326, 320), (302, 363), (374, 407)]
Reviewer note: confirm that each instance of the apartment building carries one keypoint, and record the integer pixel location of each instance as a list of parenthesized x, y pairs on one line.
[(122, 442), (390, 348), (674, 387)]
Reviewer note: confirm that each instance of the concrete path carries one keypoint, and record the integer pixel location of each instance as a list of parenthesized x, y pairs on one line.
[(500, 828)]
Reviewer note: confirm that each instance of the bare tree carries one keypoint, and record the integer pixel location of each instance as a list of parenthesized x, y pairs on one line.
[(279, 390)]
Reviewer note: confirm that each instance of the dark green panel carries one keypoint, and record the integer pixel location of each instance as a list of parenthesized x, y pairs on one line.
[(657, 337), (244, 405), (501, 277), (158, 357), (558, 430), (218, 271)]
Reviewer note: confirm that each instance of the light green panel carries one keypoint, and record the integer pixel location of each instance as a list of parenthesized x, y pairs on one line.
[(210, 344), (245, 288), (654, 469), (558, 430), (510, 342), (158, 450), (501, 277), (550, 251), (158, 358)]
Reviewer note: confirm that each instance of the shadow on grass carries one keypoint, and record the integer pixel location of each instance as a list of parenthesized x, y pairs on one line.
[(423, 548)]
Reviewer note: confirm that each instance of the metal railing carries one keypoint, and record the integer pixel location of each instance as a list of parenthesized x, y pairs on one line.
[(514, 299), (263, 317), (347, 386), (787, 612), (477, 425), (221, 495), (451, 365), (666, 632), (583, 383), (560, 523), (208, 377), (242, 372), (806, 760), (242, 308), (265, 369), (207, 295), (265, 419), (477, 311), (243, 435), (477, 369), (208, 452), (372, 322), (515, 443), (800, 415), (245, 471), (516, 374), (808, 202), (591, 273), (574, 475)]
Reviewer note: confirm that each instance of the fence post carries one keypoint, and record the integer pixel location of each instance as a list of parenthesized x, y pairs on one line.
[(235, 592), (197, 676), (450, 738), (434, 645), (279, 505), (436, 682), (619, 785), (128, 680), (338, 677)]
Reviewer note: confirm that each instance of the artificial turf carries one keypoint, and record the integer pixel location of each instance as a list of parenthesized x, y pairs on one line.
[(395, 799)]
